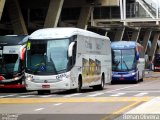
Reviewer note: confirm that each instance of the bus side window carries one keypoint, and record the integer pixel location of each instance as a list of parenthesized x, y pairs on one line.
[(72, 59)]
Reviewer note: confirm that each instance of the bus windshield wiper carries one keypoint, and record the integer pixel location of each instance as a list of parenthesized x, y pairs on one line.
[(117, 65), (125, 64)]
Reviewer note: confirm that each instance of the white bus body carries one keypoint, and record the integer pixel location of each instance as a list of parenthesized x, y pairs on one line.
[(81, 58)]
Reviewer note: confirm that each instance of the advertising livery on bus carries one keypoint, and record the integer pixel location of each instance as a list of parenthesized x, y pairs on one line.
[(127, 61), (67, 58), (12, 50)]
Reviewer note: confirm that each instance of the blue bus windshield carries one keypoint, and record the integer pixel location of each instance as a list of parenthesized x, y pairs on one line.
[(123, 60)]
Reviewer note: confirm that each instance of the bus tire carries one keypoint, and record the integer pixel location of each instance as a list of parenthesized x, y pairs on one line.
[(79, 88), (142, 80), (101, 86), (112, 82)]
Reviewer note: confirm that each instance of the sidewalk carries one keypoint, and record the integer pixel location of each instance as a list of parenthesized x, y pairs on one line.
[(151, 74), (150, 107)]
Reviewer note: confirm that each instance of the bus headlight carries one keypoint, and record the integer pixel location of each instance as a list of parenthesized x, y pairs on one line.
[(16, 78), (29, 78), (133, 73)]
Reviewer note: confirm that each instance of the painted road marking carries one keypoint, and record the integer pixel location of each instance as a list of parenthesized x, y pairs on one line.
[(151, 91), (72, 100), (76, 94), (120, 111), (11, 95), (25, 96), (118, 94), (96, 94), (57, 104), (2, 96), (152, 105), (141, 94), (121, 88), (45, 96), (38, 109)]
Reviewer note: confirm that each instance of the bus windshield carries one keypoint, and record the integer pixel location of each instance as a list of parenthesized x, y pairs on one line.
[(123, 60), (9, 63), (47, 56)]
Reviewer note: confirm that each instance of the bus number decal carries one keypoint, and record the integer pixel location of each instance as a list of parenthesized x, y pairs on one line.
[(61, 76)]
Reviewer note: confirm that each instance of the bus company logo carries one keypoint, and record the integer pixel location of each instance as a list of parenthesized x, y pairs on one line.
[(12, 51), (99, 45), (45, 81), (61, 76)]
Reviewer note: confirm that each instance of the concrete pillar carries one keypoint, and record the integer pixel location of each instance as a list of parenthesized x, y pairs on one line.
[(16, 17), (146, 38), (84, 17), (119, 34), (2, 3), (154, 45), (53, 14), (135, 35)]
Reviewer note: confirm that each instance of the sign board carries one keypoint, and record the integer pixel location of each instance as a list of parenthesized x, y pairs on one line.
[(11, 49)]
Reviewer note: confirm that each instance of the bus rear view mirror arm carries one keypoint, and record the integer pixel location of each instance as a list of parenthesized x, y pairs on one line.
[(70, 49)]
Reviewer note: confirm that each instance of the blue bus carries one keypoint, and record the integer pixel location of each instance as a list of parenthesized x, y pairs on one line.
[(128, 61)]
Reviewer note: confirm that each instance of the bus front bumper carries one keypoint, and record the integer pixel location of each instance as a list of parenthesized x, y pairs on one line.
[(124, 77), (10, 86), (47, 86)]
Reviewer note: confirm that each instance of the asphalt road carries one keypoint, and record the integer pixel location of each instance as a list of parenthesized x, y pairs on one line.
[(109, 103)]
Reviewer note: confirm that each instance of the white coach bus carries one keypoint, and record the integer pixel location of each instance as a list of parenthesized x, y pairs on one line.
[(67, 58)]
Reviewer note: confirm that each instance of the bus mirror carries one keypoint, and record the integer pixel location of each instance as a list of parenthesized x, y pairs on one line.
[(137, 56), (22, 52), (70, 49)]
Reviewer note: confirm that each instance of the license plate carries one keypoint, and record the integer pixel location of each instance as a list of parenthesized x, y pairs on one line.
[(1, 85), (45, 86), (121, 78)]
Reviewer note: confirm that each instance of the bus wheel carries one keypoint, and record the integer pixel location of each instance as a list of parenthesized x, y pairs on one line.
[(112, 82), (101, 86), (79, 88), (142, 77)]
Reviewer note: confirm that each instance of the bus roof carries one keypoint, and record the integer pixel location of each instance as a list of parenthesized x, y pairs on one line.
[(123, 44), (62, 32), (13, 39)]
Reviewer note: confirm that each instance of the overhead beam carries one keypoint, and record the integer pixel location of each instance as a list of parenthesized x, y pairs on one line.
[(16, 17), (53, 14), (84, 17)]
